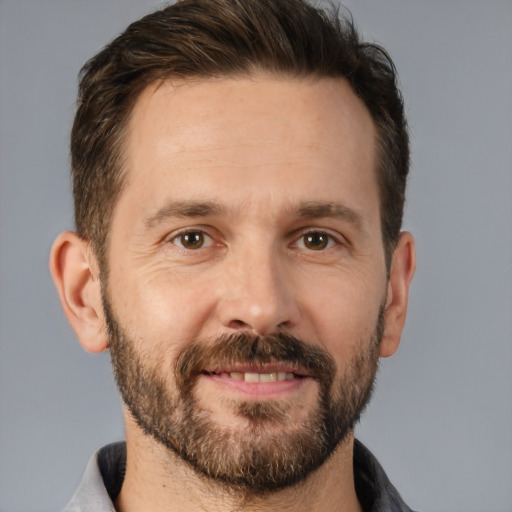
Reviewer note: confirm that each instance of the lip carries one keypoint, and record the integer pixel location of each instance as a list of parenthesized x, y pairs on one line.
[(256, 390)]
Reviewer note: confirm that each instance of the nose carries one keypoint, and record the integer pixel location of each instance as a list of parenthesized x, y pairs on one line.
[(258, 294)]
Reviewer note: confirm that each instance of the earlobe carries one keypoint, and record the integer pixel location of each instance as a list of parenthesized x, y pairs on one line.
[(76, 275), (401, 273)]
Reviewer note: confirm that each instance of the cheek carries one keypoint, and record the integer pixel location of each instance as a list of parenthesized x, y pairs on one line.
[(344, 312), (162, 308)]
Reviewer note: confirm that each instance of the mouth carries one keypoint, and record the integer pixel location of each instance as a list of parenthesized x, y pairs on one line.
[(262, 380), (254, 377), (263, 372)]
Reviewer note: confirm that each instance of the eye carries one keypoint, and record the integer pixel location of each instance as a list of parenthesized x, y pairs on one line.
[(316, 241), (192, 240)]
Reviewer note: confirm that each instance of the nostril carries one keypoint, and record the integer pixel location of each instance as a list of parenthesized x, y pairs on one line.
[(238, 324)]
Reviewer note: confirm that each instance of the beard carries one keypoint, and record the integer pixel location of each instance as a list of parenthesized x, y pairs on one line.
[(272, 452)]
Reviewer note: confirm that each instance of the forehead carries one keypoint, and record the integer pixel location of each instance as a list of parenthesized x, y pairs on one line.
[(207, 111), (261, 134)]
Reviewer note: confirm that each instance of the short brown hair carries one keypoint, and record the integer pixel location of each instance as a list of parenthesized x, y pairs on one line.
[(210, 38)]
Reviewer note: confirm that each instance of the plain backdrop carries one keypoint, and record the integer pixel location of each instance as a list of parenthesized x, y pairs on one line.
[(441, 419)]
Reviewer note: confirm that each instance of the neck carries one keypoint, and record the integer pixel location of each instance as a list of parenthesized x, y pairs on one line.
[(159, 481)]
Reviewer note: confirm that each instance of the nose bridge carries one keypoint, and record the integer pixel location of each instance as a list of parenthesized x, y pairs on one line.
[(258, 294)]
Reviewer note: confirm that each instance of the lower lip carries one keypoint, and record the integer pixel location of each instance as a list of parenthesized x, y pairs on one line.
[(259, 390)]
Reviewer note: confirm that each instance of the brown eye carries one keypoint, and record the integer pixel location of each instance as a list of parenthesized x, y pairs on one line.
[(316, 241), (192, 240)]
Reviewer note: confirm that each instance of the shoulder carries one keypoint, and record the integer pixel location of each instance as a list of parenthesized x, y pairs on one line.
[(101, 482), (375, 491)]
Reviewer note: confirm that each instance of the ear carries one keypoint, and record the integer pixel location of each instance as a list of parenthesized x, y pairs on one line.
[(401, 273), (76, 275)]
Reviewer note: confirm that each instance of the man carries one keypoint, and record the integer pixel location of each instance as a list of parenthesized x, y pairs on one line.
[(239, 169)]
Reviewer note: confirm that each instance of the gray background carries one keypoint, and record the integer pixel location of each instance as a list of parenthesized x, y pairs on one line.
[(441, 420)]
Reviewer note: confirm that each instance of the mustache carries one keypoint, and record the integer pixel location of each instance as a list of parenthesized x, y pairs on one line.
[(249, 348)]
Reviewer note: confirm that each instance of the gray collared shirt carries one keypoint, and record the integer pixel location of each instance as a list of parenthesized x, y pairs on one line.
[(104, 476)]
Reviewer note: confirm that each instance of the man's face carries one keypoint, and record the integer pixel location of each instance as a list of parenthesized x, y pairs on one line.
[(247, 274)]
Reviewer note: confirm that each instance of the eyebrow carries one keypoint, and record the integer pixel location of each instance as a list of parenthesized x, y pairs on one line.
[(184, 209), (319, 209), (305, 210)]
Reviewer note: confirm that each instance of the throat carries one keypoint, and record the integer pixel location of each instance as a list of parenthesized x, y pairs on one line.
[(160, 481)]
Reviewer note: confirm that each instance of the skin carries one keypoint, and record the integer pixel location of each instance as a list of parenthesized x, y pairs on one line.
[(252, 164)]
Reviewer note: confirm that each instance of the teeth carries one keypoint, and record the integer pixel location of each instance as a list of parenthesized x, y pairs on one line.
[(268, 377), (259, 377), (251, 377)]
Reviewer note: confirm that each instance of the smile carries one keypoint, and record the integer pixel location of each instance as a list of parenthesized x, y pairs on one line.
[(255, 377), (267, 380)]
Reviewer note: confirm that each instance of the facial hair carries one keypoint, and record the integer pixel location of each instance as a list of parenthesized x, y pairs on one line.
[(260, 458)]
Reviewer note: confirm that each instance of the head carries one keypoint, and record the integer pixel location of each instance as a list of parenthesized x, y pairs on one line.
[(196, 40), (239, 171)]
